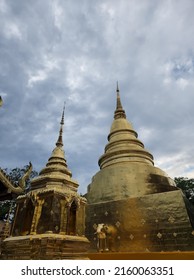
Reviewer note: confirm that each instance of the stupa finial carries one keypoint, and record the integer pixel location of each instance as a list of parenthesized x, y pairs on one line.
[(117, 86), (119, 112), (59, 142)]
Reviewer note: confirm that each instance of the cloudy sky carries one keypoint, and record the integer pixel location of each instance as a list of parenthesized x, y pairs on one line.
[(53, 51)]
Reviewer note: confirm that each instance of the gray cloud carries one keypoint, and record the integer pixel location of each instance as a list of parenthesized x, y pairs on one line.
[(75, 51)]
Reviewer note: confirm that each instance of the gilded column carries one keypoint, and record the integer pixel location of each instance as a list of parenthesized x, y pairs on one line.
[(63, 222), (36, 216), (83, 217)]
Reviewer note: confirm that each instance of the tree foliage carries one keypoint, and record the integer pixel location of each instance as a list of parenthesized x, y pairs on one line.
[(187, 186), (7, 208), (15, 175), (4, 208)]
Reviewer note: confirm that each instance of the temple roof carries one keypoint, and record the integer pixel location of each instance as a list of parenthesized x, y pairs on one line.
[(1, 101), (8, 187)]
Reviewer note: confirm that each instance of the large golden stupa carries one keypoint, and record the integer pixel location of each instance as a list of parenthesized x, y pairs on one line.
[(135, 204)]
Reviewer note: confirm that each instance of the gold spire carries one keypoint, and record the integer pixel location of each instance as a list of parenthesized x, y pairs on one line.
[(119, 112), (124, 145), (59, 142)]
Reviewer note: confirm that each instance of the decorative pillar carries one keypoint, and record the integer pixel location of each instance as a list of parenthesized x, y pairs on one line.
[(36, 216), (63, 224), (78, 216), (83, 216)]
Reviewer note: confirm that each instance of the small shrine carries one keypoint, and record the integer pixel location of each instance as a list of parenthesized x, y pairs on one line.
[(49, 221)]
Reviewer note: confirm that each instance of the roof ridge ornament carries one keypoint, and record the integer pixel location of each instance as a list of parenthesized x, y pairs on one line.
[(1, 101)]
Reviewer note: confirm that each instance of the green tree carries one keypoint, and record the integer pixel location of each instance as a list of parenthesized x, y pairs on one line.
[(7, 208), (4, 208), (15, 175), (187, 186)]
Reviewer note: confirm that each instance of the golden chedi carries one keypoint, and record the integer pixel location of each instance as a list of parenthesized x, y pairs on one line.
[(136, 204), (50, 219)]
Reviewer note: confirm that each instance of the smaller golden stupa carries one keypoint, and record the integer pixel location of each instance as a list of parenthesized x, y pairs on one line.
[(50, 219)]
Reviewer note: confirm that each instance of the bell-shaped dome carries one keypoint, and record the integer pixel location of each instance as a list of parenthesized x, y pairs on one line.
[(123, 146), (127, 168)]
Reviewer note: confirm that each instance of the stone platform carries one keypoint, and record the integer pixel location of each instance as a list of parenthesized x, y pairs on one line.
[(45, 247)]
